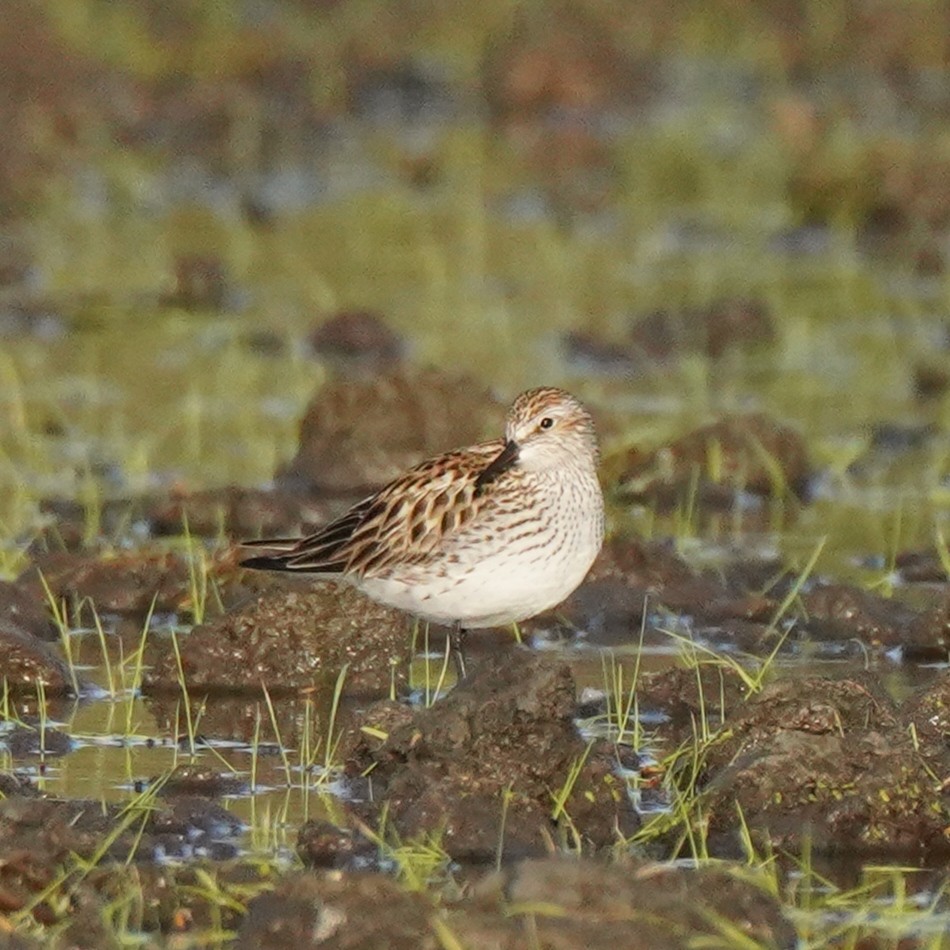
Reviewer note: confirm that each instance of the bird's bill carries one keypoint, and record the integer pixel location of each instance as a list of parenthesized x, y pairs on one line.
[(499, 464)]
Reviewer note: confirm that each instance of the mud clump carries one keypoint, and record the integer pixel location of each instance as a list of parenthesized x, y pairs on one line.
[(635, 904), (653, 565), (358, 435), (26, 661), (498, 764), (202, 283), (931, 380), (714, 330), (70, 526), (548, 84), (38, 837), (356, 341), (31, 739), (843, 612), (927, 711), (716, 464), (190, 827), (321, 844), (310, 909), (588, 353), (235, 511), (654, 339), (129, 584), (685, 697), (240, 512), (633, 584), (27, 612), (921, 566), (200, 782), (287, 640), (827, 763), (13, 785)]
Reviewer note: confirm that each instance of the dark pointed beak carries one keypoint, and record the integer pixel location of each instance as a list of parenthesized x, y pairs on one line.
[(499, 464)]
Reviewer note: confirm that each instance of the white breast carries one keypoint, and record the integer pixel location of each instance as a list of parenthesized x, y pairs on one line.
[(509, 571)]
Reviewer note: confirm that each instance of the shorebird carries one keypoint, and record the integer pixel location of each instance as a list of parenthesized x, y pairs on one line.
[(480, 537)]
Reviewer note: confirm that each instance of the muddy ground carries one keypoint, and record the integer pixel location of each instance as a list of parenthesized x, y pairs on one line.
[(502, 771)]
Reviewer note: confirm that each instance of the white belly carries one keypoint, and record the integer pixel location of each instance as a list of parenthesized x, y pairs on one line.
[(489, 590)]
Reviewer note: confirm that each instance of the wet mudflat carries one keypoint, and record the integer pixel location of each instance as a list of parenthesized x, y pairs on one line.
[(234, 300)]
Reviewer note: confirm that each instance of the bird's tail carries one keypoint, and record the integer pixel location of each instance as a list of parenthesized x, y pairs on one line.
[(287, 554)]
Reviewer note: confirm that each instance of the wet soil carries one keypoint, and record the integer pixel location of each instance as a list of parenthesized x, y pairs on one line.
[(828, 763), (295, 640), (482, 765), (497, 769), (635, 904), (510, 764)]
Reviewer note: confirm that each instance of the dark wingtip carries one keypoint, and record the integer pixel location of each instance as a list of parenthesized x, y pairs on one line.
[(265, 563), (291, 564)]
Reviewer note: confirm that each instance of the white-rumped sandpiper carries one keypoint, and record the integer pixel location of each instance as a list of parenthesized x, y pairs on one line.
[(480, 537)]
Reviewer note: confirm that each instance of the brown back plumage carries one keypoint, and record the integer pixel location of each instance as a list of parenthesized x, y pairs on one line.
[(403, 522), (409, 520)]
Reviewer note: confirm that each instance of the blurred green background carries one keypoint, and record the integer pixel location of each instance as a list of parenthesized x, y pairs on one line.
[(189, 189)]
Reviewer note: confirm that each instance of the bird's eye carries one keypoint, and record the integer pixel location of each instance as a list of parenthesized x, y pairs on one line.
[(546, 423)]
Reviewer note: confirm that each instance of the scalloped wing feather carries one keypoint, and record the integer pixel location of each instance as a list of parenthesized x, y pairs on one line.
[(405, 522)]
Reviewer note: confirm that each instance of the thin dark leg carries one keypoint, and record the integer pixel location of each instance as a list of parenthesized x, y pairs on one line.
[(457, 641)]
